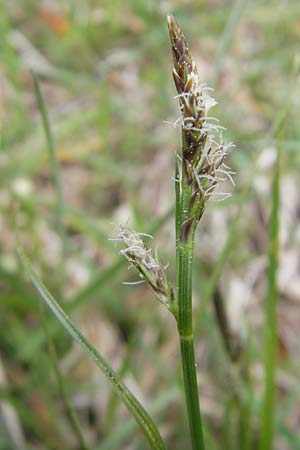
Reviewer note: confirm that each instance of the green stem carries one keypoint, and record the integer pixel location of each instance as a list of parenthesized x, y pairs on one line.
[(184, 266), (185, 327)]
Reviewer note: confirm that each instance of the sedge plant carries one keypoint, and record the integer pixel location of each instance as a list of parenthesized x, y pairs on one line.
[(199, 168)]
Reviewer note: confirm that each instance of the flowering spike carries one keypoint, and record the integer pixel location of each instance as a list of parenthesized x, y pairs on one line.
[(203, 149), (149, 267)]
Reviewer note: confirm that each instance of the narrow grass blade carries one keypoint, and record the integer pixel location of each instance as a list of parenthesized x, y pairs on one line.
[(54, 165), (141, 417), (112, 401), (114, 440), (268, 407), (71, 414)]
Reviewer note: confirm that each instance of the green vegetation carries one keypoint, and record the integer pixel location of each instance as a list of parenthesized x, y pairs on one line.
[(84, 145)]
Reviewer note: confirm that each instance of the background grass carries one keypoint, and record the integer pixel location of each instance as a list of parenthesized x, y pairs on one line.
[(105, 73)]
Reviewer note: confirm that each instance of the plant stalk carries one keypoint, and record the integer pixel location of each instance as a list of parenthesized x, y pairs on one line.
[(184, 263), (185, 327)]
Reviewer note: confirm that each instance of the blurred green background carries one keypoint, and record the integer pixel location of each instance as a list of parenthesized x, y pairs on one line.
[(105, 73)]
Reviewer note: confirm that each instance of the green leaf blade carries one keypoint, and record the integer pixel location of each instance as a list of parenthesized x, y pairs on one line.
[(134, 407), (272, 298)]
